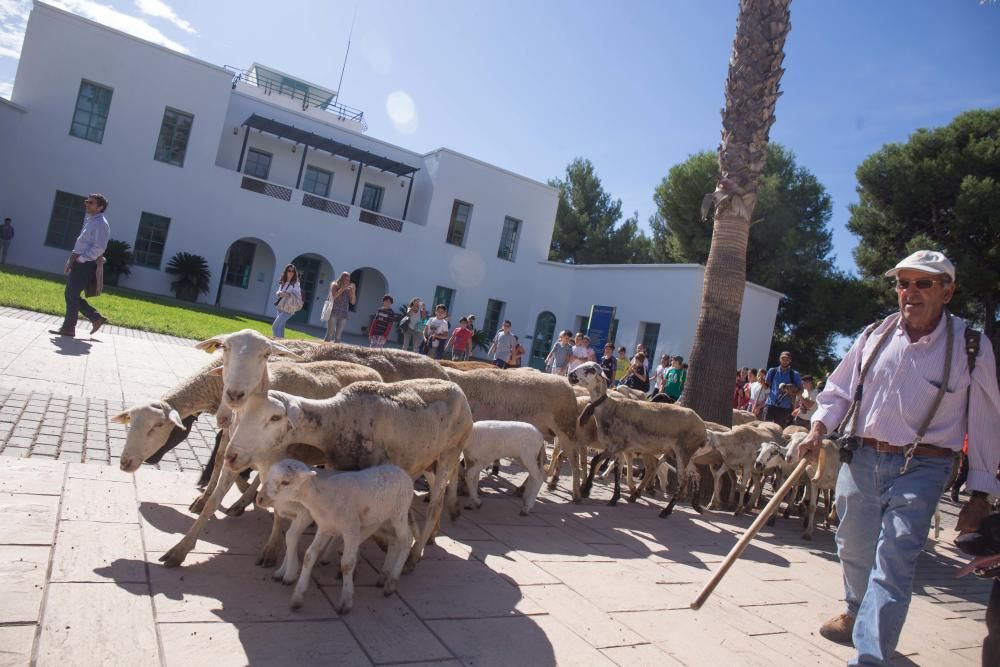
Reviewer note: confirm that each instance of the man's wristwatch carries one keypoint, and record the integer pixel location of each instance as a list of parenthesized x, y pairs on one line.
[(981, 495)]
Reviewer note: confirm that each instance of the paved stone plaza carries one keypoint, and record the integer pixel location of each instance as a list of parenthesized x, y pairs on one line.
[(80, 582)]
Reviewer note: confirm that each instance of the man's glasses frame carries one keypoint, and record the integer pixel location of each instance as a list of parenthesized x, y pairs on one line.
[(920, 283)]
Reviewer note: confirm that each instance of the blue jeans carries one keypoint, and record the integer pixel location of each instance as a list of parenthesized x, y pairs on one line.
[(884, 520), (278, 326)]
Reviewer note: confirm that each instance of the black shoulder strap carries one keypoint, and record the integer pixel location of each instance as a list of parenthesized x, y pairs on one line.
[(972, 337)]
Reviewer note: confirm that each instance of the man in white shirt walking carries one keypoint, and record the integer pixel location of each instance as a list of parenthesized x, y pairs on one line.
[(906, 393), (81, 267)]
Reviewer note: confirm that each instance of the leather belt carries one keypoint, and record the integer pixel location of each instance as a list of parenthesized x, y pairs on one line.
[(921, 450)]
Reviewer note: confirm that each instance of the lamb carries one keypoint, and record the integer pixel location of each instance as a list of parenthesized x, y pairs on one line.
[(148, 428), (743, 417), (792, 430), (545, 401), (822, 477), (352, 505), (245, 354), (650, 428), (491, 440), (738, 448), (419, 425)]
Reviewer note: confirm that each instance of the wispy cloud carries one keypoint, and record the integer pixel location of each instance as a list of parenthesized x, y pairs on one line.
[(118, 20), (6, 88), (13, 19), (160, 9)]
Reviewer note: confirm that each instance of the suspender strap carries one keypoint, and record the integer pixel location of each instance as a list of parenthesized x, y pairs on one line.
[(940, 394), (851, 418)]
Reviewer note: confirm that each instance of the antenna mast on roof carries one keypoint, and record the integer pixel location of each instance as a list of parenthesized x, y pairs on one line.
[(348, 51)]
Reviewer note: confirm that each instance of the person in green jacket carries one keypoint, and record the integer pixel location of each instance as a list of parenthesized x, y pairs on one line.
[(674, 378)]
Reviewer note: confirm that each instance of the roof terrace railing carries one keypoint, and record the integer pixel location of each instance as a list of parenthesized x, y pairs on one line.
[(306, 95)]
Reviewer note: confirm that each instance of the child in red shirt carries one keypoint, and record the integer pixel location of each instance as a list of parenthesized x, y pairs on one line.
[(460, 341), (378, 332)]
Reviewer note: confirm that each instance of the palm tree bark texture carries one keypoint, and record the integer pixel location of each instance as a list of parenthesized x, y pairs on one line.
[(752, 90)]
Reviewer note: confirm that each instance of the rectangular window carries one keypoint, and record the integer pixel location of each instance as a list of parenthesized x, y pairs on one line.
[(66, 221), (508, 238), (175, 130), (460, 214), (444, 295), (582, 324), (258, 164), (150, 239), (492, 320), (239, 264), (90, 117), (650, 334), (371, 197), (317, 181), (613, 334)]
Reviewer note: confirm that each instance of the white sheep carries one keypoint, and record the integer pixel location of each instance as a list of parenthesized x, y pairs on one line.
[(822, 477), (419, 425), (624, 425), (245, 354), (151, 424), (352, 505), (738, 448), (491, 440), (545, 401)]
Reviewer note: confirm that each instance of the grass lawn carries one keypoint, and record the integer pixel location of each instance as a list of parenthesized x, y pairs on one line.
[(43, 293)]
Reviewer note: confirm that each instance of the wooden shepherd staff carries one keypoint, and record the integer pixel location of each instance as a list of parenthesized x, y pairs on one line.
[(755, 527)]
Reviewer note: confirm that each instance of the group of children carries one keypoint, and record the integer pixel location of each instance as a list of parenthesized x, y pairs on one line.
[(428, 335)]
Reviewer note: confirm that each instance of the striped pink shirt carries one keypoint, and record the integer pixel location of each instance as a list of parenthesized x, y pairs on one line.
[(900, 388)]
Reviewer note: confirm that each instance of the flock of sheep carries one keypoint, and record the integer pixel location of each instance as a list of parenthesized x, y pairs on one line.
[(378, 419)]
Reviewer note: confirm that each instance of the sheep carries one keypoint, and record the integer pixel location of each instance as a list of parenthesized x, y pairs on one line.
[(545, 401), (420, 425), (743, 417), (738, 448), (493, 439), (148, 428), (629, 392), (651, 428), (467, 365), (352, 505), (822, 477), (245, 354), (792, 430)]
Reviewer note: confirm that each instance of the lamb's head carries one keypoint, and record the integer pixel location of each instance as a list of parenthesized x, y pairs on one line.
[(771, 455), (792, 451), (244, 362), (260, 432), (590, 376), (283, 482), (149, 430)]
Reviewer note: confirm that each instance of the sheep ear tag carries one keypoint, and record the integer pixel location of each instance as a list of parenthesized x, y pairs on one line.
[(586, 414)]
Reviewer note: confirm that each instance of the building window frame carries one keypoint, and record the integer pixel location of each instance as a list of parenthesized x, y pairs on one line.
[(175, 134), (372, 196), (261, 161), (90, 121), (649, 335), (508, 239), (458, 226), (493, 317), (445, 295), (150, 240), (238, 272), (313, 181), (66, 220)]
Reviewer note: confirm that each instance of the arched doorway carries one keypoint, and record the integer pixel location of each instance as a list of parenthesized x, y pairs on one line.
[(248, 276), (545, 327), (371, 287), (309, 267)]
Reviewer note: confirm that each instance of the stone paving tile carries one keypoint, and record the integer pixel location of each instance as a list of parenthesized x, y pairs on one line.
[(32, 478), (511, 565), (120, 632), (88, 551), (22, 582), (15, 644), (581, 616), (642, 655), (617, 586), (28, 519), (325, 642), (97, 500), (163, 526), (523, 640), (388, 629)]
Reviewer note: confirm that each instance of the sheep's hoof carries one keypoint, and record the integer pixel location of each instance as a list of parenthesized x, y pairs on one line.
[(495, 471), (612, 502), (454, 515), (518, 492), (665, 512), (344, 609), (634, 496), (295, 604), (279, 574), (585, 490), (427, 498), (738, 511), (553, 485), (267, 558), (770, 522), (288, 581), (173, 558), (235, 510), (390, 588), (524, 512), (198, 505), (807, 536)]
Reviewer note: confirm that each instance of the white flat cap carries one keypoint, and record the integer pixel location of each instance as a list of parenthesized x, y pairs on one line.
[(926, 261)]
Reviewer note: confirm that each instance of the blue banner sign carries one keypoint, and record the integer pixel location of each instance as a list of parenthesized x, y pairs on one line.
[(599, 326)]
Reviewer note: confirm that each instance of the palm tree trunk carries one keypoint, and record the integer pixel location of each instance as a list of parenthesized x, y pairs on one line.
[(751, 94)]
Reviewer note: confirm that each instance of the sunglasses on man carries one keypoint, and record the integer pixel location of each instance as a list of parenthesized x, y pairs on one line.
[(920, 283)]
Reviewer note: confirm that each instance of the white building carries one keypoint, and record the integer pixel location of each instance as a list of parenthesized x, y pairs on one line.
[(256, 169)]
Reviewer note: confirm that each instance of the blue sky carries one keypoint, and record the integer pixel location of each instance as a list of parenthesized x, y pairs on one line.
[(634, 86)]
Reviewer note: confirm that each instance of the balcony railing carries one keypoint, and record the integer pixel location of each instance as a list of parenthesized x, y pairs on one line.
[(307, 97), (327, 205), (265, 188), (383, 221)]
